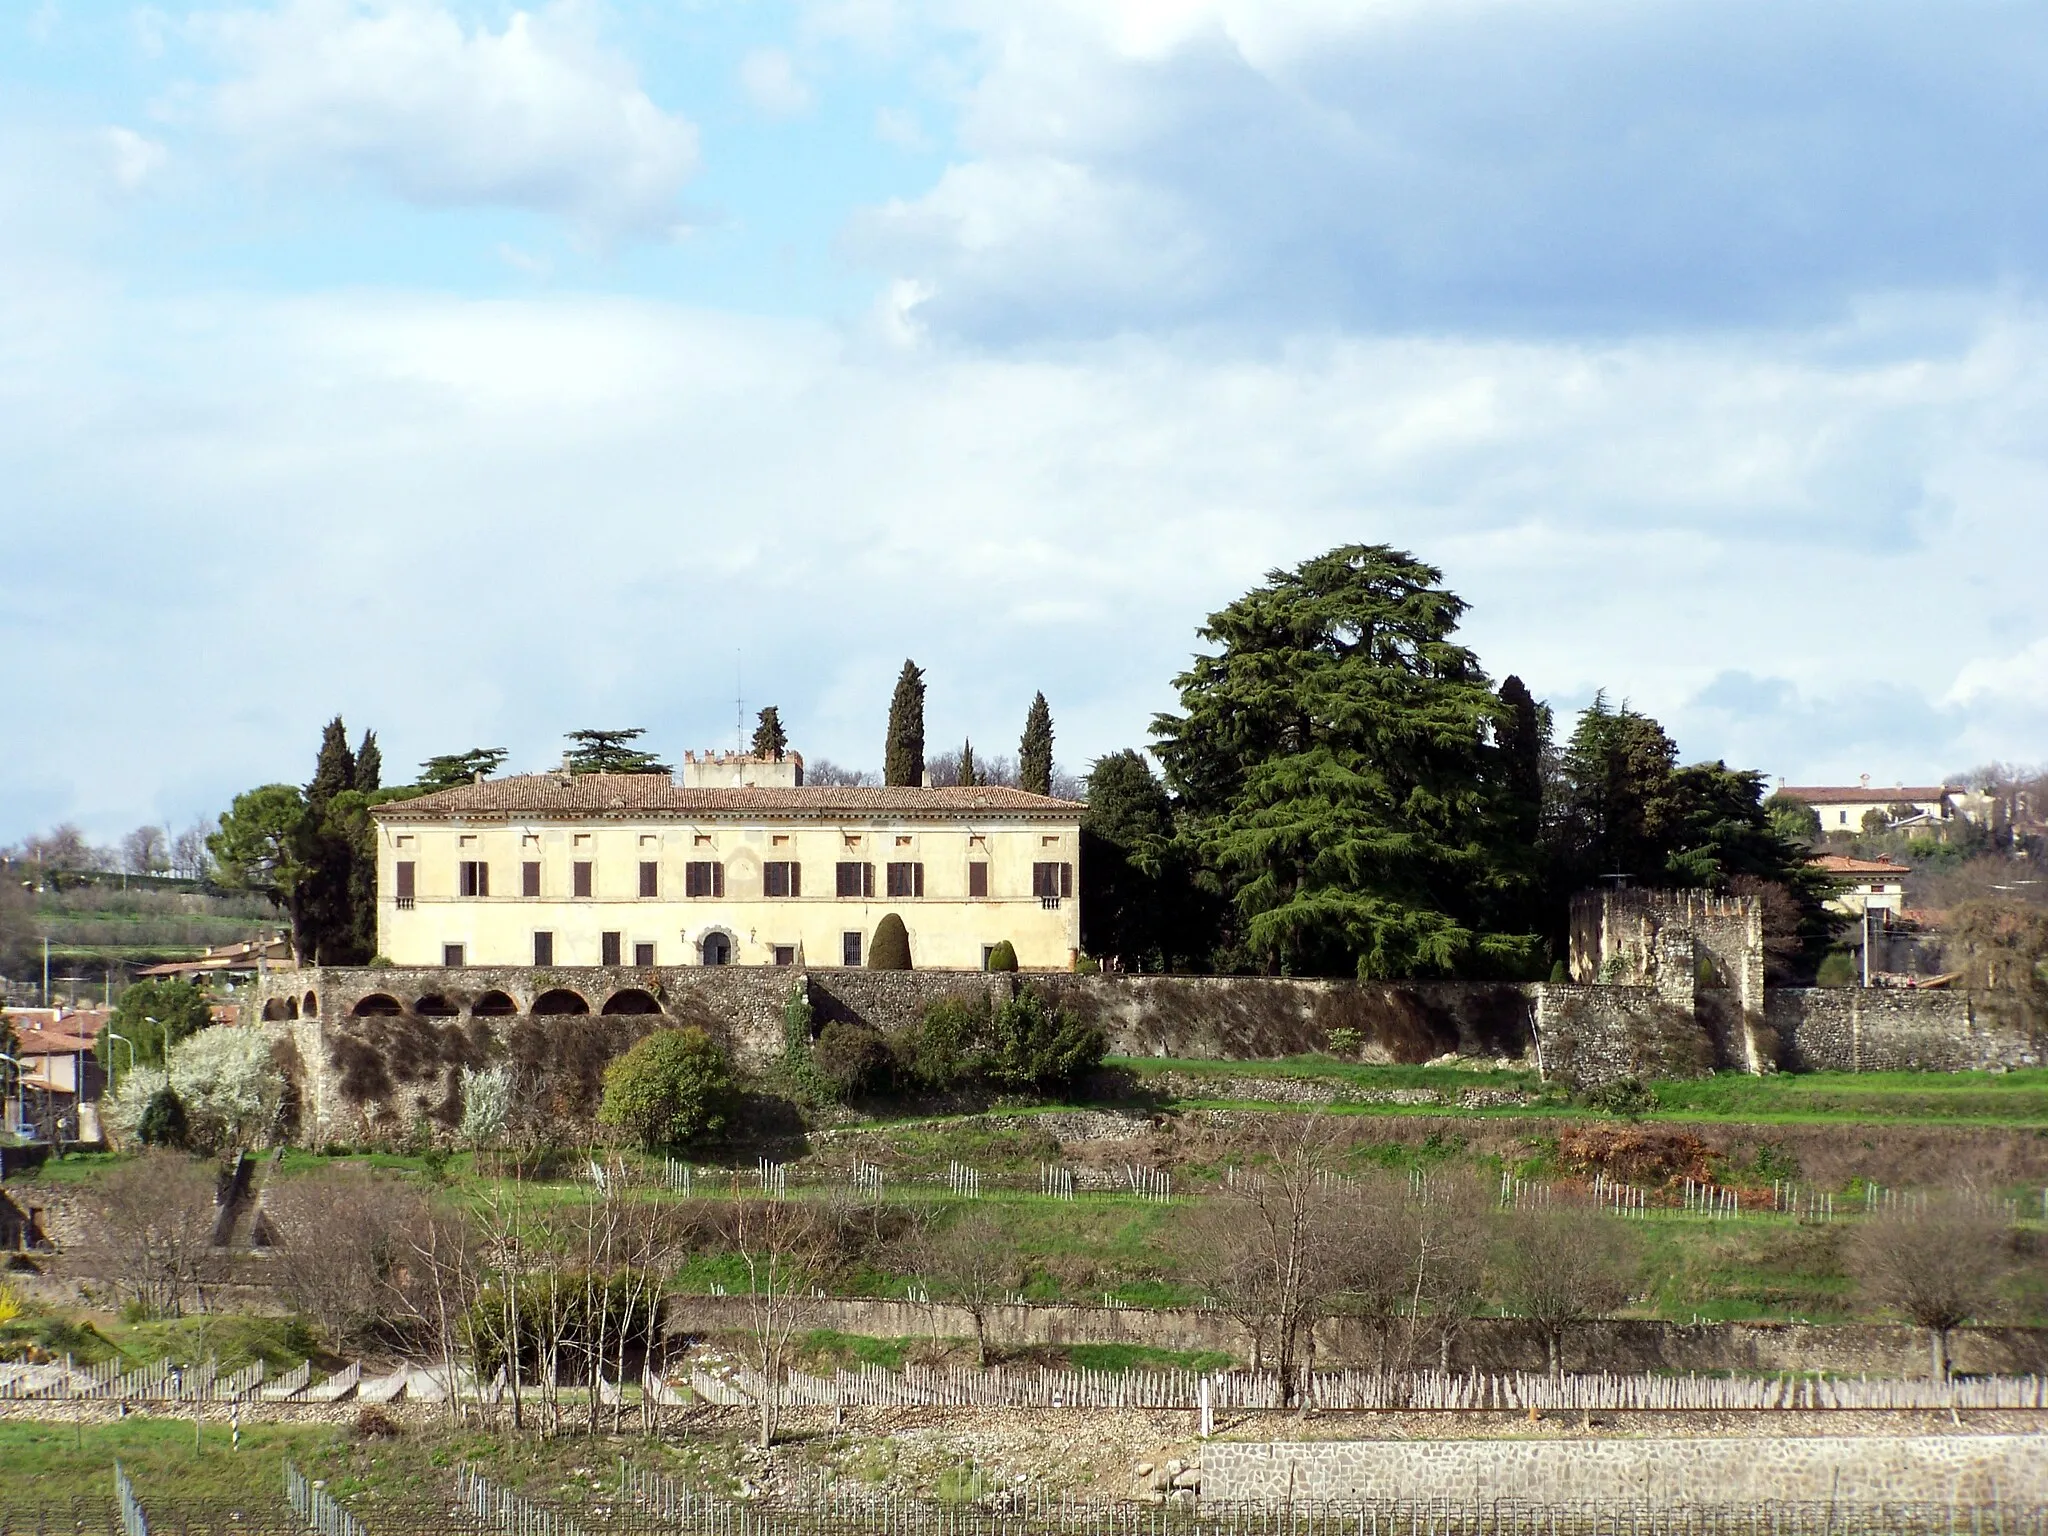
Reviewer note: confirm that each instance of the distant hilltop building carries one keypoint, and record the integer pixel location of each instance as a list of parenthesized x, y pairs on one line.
[(740, 863), (1842, 808)]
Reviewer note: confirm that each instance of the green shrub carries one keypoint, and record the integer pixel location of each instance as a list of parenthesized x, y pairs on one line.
[(163, 1122), (1558, 973), (890, 948), (939, 1052), (1837, 969), (152, 1016), (1628, 1097), (1035, 1046), (672, 1088), (1003, 956), (853, 1058)]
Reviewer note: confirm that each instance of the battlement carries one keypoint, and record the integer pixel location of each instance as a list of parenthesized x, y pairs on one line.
[(742, 770)]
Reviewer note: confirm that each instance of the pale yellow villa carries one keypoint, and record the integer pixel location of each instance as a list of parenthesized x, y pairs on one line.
[(740, 863)]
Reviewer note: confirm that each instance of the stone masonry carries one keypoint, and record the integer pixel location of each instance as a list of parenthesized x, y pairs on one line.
[(1973, 1471)]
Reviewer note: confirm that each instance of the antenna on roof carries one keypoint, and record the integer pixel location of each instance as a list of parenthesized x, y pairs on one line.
[(739, 708)]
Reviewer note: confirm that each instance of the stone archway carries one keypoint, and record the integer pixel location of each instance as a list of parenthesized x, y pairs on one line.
[(630, 1000), (310, 1008), (494, 1005), (716, 948), (377, 1005), (435, 1006), (560, 1001)]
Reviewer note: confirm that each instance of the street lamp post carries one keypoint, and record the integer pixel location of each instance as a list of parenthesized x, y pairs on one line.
[(110, 1056), (15, 1062)]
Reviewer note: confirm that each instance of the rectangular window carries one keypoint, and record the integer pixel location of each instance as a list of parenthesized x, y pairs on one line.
[(643, 956), (906, 879), (608, 944), (529, 878), (543, 949), (451, 954), (780, 877), (785, 954), (581, 871), (403, 872), (856, 879), (650, 878), (849, 949), (977, 879), (1050, 881), (473, 878), (704, 879)]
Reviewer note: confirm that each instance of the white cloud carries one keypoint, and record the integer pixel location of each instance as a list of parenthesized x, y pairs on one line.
[(538, 114), (2019, 679), (134, 159), (771, 82), (576, 509), (900, 126)]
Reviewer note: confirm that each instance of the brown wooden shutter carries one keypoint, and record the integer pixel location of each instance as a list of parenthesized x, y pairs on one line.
[(796, 878), (529, 878), (582, 886), (609, 944), (483, 878), (917, 879), (650, 878), (404, 874), (867, 880), (1066, 879), (718, 880), (977, 880), (543, 949)]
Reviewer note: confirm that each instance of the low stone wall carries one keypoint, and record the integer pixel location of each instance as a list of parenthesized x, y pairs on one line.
[(1966, 1470), (1599, 1034), (1886, 1029), (1486, 1344)]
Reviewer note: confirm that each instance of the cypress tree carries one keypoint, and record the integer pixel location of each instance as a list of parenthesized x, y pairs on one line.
[(967, 776), (1034, 752), (335, 770), (326, 919), (1521, 734), (889, 950), (903, 755), (770, 740), (369, 765)]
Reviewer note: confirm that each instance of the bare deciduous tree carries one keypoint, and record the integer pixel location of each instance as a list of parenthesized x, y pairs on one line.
[(1563, 1265), (145, 851), (1451, 1224), (155, 1227), (972, 1262), (1940, 1267), (341, 1248), (784, 1248)]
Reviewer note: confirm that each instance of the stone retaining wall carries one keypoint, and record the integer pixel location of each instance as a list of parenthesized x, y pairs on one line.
[(1885, 1029), (1973, 1471)]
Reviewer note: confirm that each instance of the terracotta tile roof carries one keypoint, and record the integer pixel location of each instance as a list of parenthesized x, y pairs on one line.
[(627, 794), (1865, 794), (37, 1035), (1842, 864)]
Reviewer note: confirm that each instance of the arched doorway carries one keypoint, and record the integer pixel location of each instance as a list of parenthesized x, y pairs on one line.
[(311, 1006), (716, 948)]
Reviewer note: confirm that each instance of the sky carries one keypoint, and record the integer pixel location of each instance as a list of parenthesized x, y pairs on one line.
[(481, 373)]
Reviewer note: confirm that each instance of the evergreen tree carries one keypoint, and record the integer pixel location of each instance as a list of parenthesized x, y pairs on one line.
[(967, 776), (889, 950), (328, 884), (1034, 752), (1133, 897), (261, 846), (1618, 764), (1523, 736), (456, 768), (1334, 757), (770, 740), (369, 764), (612, 752), (335, 768), (903, 755)]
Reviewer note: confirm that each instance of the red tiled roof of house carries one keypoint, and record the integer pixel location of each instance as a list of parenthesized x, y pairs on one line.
[(628, 794), (1865, 794), (38, 1032), (1842, 864)]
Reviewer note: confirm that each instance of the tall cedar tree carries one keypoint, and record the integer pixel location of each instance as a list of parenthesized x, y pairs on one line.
[(903, 755), (967, 775), (1336, 759), (1132, 903), (770, 739), (1034, 752), (612, 752), (1619, 764), (455, 768)]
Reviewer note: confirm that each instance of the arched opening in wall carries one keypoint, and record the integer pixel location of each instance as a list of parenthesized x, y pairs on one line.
[(311, 1006), (494, 1005), (378, 1005), (716, 949), (279, 1008), (435, 1006), (632, 1000), (560, 1001)]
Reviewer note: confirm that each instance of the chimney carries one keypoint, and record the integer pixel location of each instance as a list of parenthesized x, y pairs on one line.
[(927, 778)]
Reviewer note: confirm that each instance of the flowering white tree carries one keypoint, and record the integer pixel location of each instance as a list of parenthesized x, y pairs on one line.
[(121, 1110), (230, 1087), (486, 1104)]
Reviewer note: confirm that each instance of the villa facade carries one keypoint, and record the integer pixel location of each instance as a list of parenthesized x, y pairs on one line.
[(727, 868)]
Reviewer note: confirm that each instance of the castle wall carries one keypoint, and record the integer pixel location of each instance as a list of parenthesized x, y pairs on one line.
[(1884, 1029)]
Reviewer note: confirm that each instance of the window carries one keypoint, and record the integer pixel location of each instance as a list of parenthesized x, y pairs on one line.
[(781, 877), (1842, 818), (977, 878), (529, 878), (906, 879), (581, 872), (704, 879), (849, 949), (650, 878), (404, 873), (473, 878), (856, 880), (543, 949), (643, 956), (451, 954), (1049, 882), (785, 954), (608, 945)]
